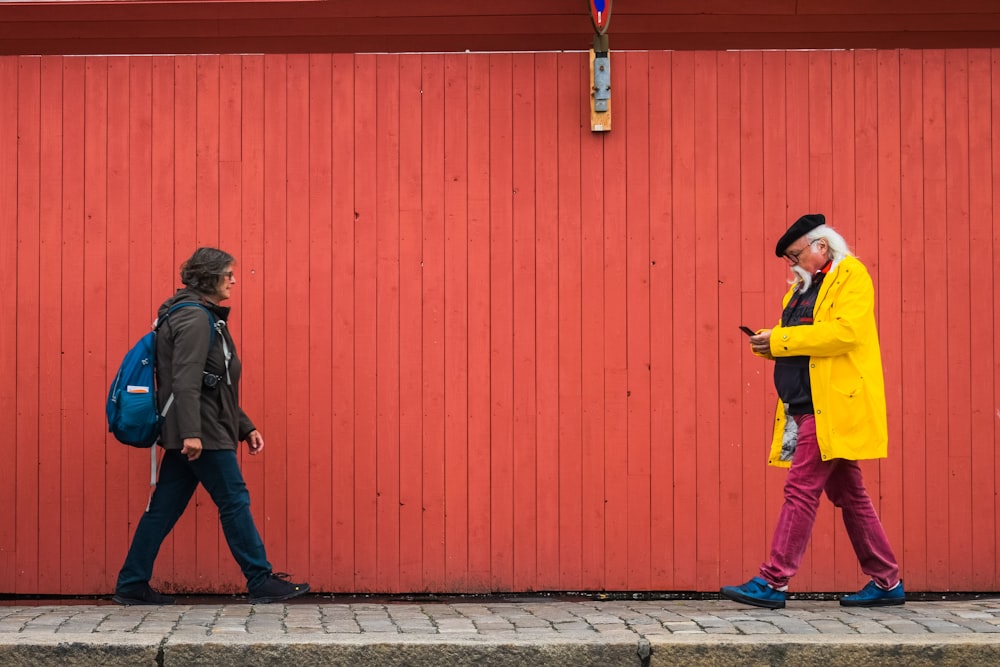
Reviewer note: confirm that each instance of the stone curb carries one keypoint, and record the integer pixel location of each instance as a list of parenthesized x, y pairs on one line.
[(82, 649), (308, 650), (826, 651)]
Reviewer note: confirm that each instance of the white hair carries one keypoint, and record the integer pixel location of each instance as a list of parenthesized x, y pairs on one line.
[(838, 246), (838, 250)]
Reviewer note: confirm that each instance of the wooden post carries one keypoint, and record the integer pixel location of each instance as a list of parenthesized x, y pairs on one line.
[(600, 121)]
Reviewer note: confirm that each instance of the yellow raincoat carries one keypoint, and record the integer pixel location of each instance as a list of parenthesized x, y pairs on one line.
[(845, 367)]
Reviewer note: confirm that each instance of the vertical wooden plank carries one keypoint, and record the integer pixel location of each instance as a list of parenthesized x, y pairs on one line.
[(843, 81), (841, 209), (365, 416), (8, 302), (456, 305), (591, 346), (501, 331), (732, 342), (592, 390), (829, 532), (776, 220), (682, 336), (547, 320), (274, 526), (27, 308), (958, 291), (889, 290), (229, 214), (863, 235), (821, 147), (230, 184), (935, 263), (636, 114), (321, 375), (523, 323), (412, 343), (230, 138), (981, 331), (432, 192), (211, 546), (50, 356), (184, 537), (616, 546), (164, 263), (387, 318), (163, 267), (756, 311), (995, 190), (912, 445), (252, 272), (570, 482), (207, 161), (141, 309), (661, 237), (797, 178), (706, 315), (118, 272), (72, 398), (97, 562), (185, 156), (344, 213), (297, 317), (478, 291)]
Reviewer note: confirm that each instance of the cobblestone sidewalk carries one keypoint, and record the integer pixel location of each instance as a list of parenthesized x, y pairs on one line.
[(321, 630), (643, 618)]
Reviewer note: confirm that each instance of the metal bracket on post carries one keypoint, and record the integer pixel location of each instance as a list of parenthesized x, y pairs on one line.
[(600, 83)]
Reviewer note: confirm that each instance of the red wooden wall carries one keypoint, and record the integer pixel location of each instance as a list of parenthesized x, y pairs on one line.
[(488, 349)]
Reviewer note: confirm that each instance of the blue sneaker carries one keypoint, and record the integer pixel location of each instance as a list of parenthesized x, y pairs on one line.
[(756, 592), (873, 596)]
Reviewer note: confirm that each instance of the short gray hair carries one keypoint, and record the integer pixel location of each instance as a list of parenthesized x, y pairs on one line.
[(201, 272)]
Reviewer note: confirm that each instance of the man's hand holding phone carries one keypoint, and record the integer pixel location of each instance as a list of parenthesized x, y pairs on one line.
[(760, 343)]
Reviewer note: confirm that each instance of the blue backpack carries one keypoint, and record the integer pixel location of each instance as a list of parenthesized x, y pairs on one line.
[(133, 417)]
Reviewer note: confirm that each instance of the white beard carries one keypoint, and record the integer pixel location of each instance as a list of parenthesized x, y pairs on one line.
[(805, 278)]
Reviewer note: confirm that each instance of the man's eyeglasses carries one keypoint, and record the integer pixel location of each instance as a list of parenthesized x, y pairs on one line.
[(794, 256), (228, 274)]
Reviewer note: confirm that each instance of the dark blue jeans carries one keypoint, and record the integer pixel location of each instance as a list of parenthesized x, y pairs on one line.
[(219, 473)]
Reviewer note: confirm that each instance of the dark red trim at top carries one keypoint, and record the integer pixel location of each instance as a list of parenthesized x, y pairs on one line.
[(296, 26)]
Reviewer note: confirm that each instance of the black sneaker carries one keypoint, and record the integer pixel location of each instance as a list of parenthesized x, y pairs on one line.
[(141, 595), (277, 588)]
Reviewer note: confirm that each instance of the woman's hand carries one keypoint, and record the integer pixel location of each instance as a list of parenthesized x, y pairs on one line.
[(191, 448), (255, 442)]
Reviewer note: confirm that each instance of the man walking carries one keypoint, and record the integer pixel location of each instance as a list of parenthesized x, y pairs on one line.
[(831, 413)]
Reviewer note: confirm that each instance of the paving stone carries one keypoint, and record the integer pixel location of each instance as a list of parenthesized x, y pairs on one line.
[(756, 628)]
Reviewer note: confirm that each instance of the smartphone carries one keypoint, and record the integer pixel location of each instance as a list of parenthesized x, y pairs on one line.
[(747, 330)]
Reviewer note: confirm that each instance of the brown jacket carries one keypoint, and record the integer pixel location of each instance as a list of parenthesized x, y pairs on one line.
[(182, 359)]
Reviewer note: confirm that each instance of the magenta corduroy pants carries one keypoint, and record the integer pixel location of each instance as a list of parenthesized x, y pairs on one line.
[(807, 479)]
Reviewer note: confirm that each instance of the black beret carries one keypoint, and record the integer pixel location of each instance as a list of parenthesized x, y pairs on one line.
[(800, 228)]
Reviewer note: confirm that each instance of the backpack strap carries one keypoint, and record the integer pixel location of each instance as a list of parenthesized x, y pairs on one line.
[(177, 306), (211, 340)]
